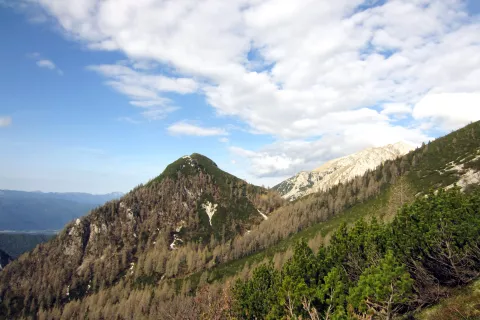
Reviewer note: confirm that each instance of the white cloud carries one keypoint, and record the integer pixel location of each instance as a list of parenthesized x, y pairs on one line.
[(126, 76), (448, 111), (224, 140), (44, 63), (265, 164), (320, 68), (188, 129), (144, 88), (5, 121), (286, 158)]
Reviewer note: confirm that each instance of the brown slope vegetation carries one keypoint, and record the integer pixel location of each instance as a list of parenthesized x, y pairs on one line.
[(101, 248)]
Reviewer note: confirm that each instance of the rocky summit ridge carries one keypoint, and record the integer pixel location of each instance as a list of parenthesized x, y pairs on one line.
[(339, 170)]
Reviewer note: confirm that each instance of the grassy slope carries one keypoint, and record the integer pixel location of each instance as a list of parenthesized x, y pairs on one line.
[(439, 157), (463, 303)]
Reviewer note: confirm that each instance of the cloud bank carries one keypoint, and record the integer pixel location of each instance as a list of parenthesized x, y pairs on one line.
[(324, 78)]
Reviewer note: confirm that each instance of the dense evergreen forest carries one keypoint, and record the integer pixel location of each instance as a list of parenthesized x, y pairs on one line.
[(373, 269)]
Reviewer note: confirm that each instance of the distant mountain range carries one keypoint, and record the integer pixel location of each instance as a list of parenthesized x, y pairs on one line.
[(4, 259), (339, 170), (22, 211), (16, 243)]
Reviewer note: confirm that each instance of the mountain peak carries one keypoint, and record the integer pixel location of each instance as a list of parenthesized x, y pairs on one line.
[(188, 165), (340, 170), (402, 146)]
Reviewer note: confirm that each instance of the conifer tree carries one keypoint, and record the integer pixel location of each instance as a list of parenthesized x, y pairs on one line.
[(382, 289)]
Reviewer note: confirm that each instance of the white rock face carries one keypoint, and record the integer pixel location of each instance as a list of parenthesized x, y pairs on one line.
[(263, 215), (210, 209), (340, 170), (466, 176), (176, 240)]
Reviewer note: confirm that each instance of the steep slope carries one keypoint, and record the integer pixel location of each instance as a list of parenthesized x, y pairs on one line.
[(442, 163), (191, 204), (4, 259), (38, 211), (339, 170)]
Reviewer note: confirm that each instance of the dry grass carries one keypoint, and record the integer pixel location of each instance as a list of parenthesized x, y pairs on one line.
[(461, 305)]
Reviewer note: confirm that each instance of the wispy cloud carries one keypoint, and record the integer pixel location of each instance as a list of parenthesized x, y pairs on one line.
[(144, 89), (188, 129), (5, 121), (44, 63), (129, 120)]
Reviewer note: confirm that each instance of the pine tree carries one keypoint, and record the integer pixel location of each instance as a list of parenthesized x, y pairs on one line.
[(382, 289), (333, 293)]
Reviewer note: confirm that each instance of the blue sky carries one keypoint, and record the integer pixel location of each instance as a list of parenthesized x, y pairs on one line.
[(101, 98), (67, 129)]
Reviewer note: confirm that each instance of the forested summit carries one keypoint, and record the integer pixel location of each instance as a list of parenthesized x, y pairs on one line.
[(192, 205)]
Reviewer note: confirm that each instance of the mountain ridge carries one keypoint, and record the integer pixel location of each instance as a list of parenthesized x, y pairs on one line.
[(36, 211), (339, 170)]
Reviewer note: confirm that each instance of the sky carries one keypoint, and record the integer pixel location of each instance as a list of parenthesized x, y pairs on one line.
[(100, 95)]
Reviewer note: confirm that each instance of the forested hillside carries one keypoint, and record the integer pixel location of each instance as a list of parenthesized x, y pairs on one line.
[(190, 207), (373, 269), (157, 252)]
